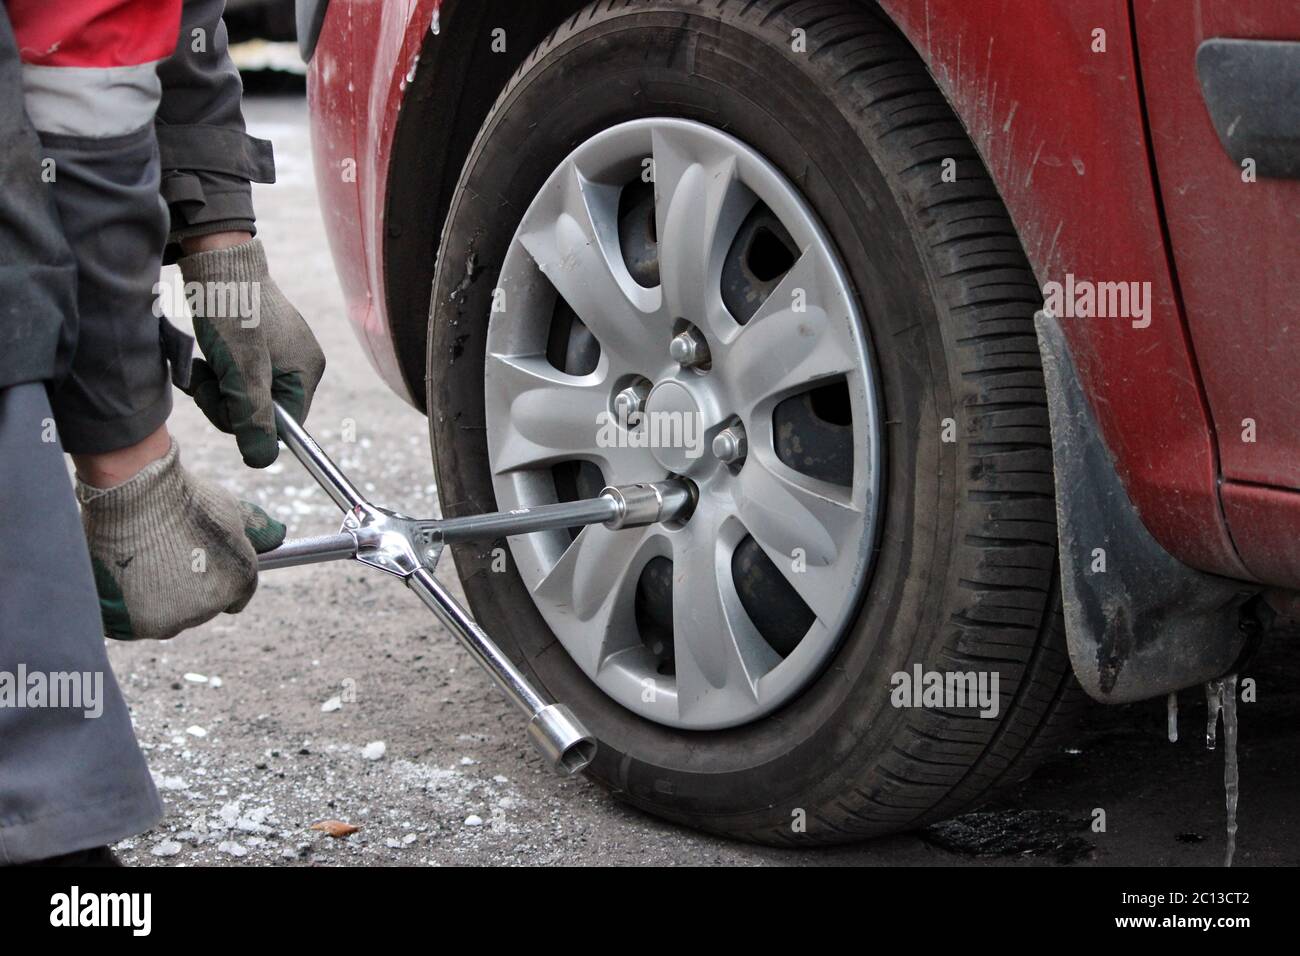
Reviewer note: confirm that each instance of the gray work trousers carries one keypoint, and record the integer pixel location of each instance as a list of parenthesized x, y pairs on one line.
[(83, 368), (71, 774)]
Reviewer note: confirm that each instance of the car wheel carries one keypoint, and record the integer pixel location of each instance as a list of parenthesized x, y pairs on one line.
[(732, 221)]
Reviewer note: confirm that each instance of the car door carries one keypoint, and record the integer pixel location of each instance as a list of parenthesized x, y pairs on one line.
[(1221, 80)]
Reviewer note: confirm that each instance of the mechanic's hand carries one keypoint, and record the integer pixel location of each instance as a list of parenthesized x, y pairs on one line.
[(258, 351), (171, 551)]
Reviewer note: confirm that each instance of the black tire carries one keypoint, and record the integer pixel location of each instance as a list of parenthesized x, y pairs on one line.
[(965, 576)]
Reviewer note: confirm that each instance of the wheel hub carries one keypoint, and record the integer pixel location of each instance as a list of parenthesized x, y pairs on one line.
[(676, 429)]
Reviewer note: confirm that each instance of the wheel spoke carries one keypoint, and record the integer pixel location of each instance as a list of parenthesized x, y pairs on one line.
[(573, 238), (801, 524), (594, 581), (799, 336), (552, 416), (719, 654), (699, 207)]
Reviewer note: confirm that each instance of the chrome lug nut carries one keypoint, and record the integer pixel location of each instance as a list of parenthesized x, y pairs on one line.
[(630, 401), (688, 349), (730, 444)]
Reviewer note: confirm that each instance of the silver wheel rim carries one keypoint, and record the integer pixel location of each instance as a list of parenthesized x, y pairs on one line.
[(817, 534)]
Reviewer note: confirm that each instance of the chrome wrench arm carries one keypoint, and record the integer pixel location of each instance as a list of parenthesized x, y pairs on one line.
[(609, 508)]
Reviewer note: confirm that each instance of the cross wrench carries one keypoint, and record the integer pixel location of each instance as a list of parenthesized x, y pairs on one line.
[(409, 548)]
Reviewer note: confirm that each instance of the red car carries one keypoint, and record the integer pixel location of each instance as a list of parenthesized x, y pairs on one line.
[(974, 326)]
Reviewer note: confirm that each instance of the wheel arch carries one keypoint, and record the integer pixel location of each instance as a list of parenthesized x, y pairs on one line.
[(441, 114)]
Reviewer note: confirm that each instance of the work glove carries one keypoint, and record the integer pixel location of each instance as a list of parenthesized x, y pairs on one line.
[(264, 351), (170, 550)]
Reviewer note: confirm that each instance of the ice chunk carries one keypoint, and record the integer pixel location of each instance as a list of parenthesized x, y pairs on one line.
[(1213, 704), (1231, 780), (1221, 699)]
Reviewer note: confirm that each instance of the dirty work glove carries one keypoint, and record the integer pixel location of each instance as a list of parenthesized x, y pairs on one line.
[(170, 550), (258, 348)]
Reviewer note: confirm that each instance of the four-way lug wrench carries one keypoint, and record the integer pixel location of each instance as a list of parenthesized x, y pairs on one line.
[(410, 547)]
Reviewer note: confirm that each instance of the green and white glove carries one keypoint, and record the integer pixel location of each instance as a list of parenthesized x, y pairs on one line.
[(171, 551), (265, 353)]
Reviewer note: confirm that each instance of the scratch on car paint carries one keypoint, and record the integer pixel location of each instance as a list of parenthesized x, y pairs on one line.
[(992, 104), (1051, 250), (1029, 176), (1015, 105)]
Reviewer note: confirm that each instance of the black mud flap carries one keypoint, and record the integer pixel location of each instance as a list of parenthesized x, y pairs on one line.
[(1146, 625)]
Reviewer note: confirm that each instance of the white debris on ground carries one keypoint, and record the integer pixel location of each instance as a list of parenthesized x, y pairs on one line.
[(225, 810), (306, 509)]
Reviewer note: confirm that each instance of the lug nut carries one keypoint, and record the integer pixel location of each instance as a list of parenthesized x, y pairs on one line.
[(688, 349), (630, 401), (730, 445)]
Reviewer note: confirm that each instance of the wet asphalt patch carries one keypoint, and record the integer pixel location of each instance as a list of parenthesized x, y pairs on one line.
[(1038, 833)]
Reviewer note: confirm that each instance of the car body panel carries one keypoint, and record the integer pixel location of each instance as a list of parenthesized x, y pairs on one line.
[(1246, 331), (1062, 130), (1266, 526), (356, 81), (1236, 244)]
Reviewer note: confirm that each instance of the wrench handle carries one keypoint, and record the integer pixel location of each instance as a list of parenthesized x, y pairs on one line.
[(553, 729), (327, 474), (317, 550)]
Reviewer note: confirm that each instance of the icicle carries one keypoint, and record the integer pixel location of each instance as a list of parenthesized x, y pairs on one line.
[(1173, 718), (1231, 781), (1213, 704)]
